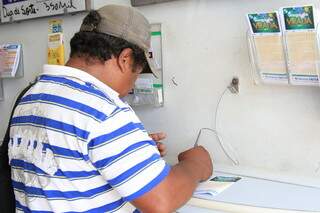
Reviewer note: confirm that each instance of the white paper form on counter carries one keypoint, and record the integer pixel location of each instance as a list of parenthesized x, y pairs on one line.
[(214, 186)]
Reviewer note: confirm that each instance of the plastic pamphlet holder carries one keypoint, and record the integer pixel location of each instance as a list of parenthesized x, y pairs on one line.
[(267, 52), (16, 70), (148, 90), (300, 54)]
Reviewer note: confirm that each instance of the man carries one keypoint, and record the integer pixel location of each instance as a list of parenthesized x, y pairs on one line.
[(77, 147)]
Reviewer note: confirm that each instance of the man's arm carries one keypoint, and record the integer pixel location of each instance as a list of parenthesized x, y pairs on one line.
[(177, 188)]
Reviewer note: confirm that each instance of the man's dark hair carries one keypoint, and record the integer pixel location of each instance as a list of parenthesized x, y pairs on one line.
[(99, 46)]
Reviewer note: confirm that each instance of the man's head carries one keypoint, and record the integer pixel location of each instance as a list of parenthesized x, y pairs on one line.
[(112, 45)]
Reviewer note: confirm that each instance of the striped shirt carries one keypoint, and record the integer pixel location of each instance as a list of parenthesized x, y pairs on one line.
[(75, 146)]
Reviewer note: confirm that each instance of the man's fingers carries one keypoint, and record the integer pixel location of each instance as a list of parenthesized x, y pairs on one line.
[(162, 148), (158, 136)]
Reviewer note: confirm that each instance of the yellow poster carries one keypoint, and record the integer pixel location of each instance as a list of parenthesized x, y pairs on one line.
[(55, 49), (55, 42)]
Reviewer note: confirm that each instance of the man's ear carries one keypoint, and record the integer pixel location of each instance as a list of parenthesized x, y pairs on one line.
[(125, 59)]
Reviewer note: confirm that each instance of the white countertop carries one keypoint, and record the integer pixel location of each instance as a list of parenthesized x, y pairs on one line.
[(259, 195)]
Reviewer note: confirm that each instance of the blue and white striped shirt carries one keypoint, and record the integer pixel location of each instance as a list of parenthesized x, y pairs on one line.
[(76, 147)]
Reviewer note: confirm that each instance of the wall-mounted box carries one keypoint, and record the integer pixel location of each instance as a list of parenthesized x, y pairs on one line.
[(148, 89)]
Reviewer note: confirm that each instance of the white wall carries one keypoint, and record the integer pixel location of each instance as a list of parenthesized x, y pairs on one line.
[(273, 129)]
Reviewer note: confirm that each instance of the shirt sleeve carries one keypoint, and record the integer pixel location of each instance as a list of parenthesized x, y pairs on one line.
[(125, 155)]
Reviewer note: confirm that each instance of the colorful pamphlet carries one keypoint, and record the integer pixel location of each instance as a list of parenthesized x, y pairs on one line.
[(298, 18), (214, 186), (264, 22), (9, 59)]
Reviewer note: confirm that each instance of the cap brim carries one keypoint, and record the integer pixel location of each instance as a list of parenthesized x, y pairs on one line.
[(150, 67)]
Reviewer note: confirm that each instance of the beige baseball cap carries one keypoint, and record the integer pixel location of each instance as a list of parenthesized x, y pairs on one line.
[(126, 23)]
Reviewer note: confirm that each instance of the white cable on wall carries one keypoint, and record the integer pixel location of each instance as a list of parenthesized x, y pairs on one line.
[(226, 148)]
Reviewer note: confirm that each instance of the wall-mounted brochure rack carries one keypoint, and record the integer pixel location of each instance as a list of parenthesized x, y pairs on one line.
[(148, 89), (266, 48), (286, 54), (268, 59), (11, 61), (302, 48)]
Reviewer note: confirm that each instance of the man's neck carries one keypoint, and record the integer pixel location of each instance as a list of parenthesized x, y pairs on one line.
[(97, 70)]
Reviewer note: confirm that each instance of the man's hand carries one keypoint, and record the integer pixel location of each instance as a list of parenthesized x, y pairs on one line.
[(201, 158), (157, 137)]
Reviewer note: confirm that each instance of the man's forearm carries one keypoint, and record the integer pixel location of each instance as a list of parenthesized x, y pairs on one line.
[(183, 178), (174, 191)]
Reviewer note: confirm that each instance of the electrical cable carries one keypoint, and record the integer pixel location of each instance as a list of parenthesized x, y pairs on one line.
[(222, 145)]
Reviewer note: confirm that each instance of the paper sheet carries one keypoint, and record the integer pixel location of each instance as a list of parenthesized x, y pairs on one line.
[(302, 52), (9, 59), (270, 55), (214, 186)]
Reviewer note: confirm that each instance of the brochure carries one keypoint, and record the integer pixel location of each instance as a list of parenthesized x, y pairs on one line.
[(9, 59), (214, 186)]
